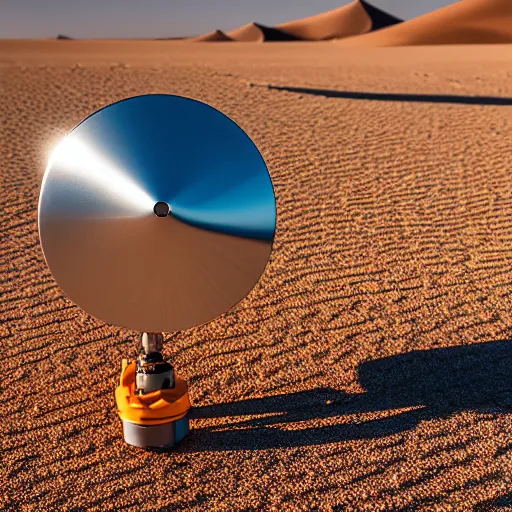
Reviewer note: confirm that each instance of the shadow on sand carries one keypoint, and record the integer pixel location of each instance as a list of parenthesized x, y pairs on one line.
[(384, 96), (438, 382), (502, 502)]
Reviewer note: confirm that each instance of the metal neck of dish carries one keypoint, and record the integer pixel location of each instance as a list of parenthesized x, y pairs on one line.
[(153, 372), (151, 342)]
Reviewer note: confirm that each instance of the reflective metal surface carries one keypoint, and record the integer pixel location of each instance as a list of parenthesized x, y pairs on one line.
[(152, 371), (157, 213)]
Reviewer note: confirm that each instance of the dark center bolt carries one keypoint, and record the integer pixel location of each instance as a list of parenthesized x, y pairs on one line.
[(161, 209)]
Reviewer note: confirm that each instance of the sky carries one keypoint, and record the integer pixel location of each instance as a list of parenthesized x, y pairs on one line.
[(167, 18)]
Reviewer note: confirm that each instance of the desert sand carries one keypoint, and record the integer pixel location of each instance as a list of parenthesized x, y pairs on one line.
[(368, 368), (463, 22)]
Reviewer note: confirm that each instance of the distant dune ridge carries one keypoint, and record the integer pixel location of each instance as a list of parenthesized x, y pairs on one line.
[(215, 36), (255, 32), (356, 18), (463, 22), (361, 24)]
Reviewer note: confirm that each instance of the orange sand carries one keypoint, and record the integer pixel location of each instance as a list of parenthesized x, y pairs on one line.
[(463, 22), (365, 371)]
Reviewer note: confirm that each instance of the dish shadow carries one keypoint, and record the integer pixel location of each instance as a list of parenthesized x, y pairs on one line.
[(385, 96), (502, 502), (436, 382)]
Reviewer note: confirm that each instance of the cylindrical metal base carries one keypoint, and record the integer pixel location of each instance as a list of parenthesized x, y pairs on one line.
[(163, 436)]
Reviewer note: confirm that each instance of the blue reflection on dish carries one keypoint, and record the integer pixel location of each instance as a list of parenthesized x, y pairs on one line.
[(191, 156)]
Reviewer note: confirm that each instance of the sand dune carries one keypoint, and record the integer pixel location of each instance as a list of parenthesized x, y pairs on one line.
[(212, 37), (358, 17), (464, 22), (255, 32)]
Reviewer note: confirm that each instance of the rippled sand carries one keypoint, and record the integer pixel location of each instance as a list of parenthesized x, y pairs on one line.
[(366, 370)]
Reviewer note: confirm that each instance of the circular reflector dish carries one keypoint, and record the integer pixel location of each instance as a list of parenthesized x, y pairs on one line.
[(157, 213)]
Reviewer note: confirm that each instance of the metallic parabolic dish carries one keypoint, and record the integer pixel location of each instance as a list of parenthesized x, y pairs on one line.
[(157, 213)]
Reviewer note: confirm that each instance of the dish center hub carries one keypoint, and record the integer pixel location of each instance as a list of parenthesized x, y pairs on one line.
[(161, 209)]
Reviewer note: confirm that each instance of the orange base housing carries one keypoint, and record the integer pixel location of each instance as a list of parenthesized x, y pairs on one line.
[(155, 408)]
